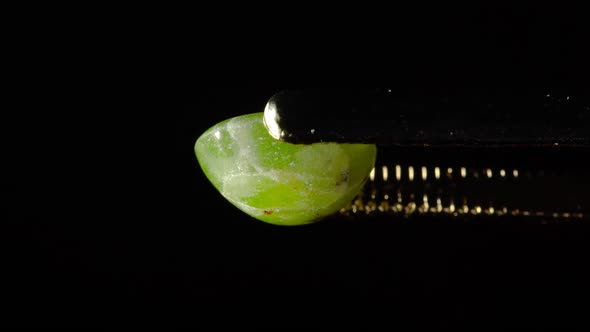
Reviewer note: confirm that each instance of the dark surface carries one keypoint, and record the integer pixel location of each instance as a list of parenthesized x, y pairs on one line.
[(426, 270), (133, 230), (169, 249)]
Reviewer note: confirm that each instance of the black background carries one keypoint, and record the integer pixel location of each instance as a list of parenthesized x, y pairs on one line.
[(424, 271), (140, 234), (170, 249)]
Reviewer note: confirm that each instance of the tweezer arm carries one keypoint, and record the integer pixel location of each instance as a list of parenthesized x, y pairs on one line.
[(443, 117)]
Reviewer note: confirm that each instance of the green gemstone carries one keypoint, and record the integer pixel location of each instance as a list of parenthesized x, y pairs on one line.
[(277, 182)]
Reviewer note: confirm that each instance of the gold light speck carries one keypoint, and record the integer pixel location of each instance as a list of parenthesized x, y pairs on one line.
[(439, 206), (424, 173), (385, 173), (398, 172)]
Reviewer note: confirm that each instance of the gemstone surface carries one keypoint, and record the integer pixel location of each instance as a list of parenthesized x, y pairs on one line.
[(277, 182)]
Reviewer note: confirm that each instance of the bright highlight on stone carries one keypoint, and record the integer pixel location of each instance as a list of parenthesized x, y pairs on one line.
[(277, 182)]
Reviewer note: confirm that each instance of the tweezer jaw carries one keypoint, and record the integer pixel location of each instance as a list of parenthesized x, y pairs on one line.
[(459, 117), (490, 154), (408, 189), (271, 120)]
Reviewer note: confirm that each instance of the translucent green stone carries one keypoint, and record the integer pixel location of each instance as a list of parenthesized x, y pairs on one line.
[(277, 182)]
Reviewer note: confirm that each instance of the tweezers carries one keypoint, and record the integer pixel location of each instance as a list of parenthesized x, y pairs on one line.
[(470, 153)]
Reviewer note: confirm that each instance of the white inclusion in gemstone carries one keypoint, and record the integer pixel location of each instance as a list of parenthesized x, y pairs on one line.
[(217, 134)]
